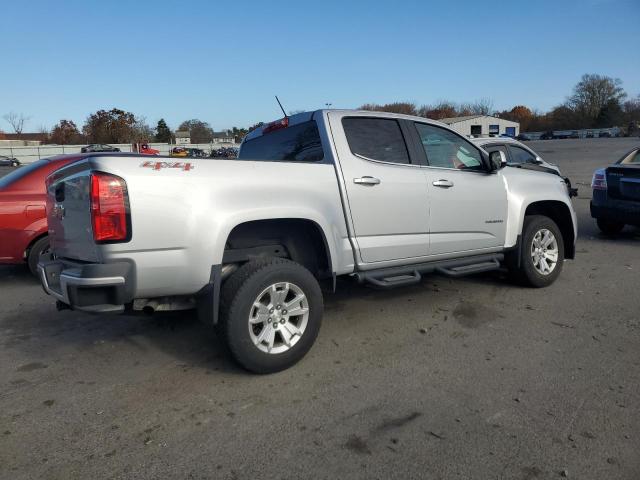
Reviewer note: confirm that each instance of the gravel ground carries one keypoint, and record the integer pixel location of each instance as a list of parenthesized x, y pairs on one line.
[(453, 379)]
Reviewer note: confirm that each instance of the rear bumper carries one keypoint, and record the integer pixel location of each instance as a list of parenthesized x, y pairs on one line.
[(89, 287), (623, 211)]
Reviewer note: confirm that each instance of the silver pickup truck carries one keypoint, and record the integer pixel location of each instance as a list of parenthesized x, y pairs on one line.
[(381, 197)]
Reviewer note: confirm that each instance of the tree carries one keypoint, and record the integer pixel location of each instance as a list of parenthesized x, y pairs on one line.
[(406, 108), (443, 109), (562, 118), (592, 93), (163, 132), (16, 120), (521, 114), (199, 131), (610, 115), (65, 132), (141, 132), (238, 134), (482, 106), (113, 126)]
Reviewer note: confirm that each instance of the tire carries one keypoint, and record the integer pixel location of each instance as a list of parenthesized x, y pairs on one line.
[(251, 285), (609, 227), (38, 248), (533, 257)]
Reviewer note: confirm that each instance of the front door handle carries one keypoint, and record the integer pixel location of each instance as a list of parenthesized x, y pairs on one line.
[(442, 183), (366, 180)]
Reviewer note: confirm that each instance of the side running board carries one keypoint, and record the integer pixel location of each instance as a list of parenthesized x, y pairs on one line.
[(412, 274), (469, 269)]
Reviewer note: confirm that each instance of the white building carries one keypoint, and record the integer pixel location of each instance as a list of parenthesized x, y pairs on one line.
[(183, 137), (222, 137), (483, 126)]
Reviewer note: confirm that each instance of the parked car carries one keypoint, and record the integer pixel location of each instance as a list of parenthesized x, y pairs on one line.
[(224, 152), (23, 223), (547, 136), (517, 153), (179, 152), (523, 137), (99, 147), (196, 153), (381, 197), (604, 135), (9, 161), (145, 149), (616, 194), (521, 156)]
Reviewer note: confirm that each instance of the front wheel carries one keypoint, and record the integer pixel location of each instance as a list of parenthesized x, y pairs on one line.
[(271, 314), (542, 252)]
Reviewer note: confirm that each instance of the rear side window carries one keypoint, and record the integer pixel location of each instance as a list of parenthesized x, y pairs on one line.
[(298, 143), (376, 138), (21, 172)]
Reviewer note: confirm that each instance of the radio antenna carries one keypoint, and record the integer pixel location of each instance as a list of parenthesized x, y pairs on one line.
[(281, 108)]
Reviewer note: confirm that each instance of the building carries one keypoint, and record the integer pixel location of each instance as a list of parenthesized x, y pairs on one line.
[(183, 137), (22, 139), (222, 137), (483, 126)]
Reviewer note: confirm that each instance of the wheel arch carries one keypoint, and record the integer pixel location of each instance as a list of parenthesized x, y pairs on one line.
[(560, 213), (304, 240)]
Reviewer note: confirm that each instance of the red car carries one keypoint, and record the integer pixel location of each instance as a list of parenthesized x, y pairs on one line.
[(23, 225)]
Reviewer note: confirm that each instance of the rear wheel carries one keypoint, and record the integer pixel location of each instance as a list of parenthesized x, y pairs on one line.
[(609, 227), (542, 252), (271, 314), (41, 246)]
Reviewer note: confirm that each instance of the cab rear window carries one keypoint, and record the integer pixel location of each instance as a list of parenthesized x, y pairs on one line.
[(298, 143)]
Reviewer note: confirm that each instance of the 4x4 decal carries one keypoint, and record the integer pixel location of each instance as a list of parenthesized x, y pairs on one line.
[(186, 166)]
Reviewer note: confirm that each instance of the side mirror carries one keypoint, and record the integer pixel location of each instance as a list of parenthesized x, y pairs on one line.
[(497, 159)]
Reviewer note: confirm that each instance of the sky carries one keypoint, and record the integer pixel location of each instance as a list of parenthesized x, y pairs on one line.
[(223, 62)]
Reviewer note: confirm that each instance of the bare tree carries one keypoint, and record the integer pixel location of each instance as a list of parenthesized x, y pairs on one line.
[(16, 120), (593, 92), (482, 106)]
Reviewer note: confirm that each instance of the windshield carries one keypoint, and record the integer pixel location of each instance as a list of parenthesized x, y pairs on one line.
[(21, 172)]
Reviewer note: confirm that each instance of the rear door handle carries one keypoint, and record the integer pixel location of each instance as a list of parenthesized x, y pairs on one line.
[(442, 183), (366, 180)]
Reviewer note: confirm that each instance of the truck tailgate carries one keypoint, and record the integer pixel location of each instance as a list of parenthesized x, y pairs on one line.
[(69, 213)]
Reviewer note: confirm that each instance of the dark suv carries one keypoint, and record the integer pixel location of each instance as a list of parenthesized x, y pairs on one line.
[(616, 194)]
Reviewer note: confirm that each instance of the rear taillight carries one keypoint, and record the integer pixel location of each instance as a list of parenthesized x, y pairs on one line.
[(599, 181), (109, 208), (277, 125)]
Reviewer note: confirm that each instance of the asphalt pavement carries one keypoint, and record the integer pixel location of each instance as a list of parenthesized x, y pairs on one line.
[(469, 378)]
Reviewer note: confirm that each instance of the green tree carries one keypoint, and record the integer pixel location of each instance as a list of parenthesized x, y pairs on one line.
[(611, 115), (113, 126), (238, 134), (199, 131), (163, 132)]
